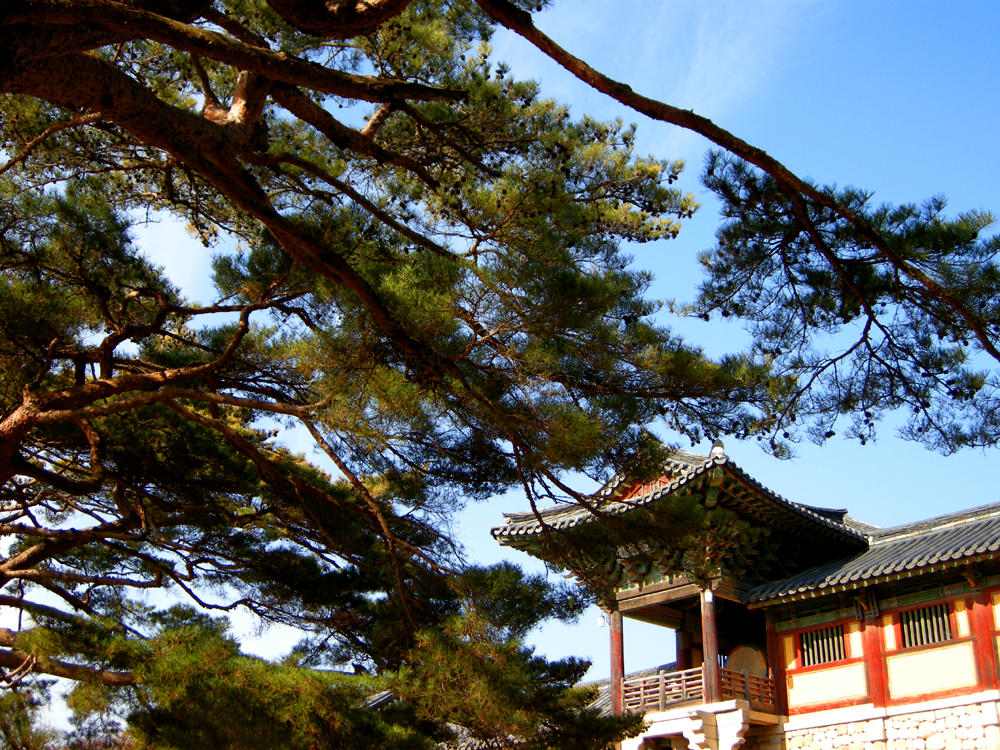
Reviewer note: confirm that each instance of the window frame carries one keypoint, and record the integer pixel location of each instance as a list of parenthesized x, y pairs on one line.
[(897, 613), (934, 610), (800, 651)]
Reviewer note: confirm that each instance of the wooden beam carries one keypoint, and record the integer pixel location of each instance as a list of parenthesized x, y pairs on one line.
[(656, 614), (658, 594)]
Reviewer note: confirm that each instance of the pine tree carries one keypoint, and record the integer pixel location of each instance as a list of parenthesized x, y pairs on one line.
[(422, 273)]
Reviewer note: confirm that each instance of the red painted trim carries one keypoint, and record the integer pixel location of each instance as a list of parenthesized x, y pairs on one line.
[(932, 646), (982, 669), (873, 641), (825, 665), (897, 631), (647, 488), (776, 660), (813, 707), (983, 633), (920, 697), (981, 625)]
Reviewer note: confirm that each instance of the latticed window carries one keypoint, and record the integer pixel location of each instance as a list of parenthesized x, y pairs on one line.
[(925, 625), (823, 645)]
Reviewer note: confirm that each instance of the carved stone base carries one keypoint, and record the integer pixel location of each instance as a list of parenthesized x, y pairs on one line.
[(717, 726)]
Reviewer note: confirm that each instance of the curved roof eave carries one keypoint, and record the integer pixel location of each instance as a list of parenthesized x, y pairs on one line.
[(686, 469)]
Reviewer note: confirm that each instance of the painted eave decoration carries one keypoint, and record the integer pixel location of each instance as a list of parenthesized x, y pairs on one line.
[(684, 472)]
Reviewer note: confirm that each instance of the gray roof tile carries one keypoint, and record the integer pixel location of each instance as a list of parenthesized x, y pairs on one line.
[(946, 540)]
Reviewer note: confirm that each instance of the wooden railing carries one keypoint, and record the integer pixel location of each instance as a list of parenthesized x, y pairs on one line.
[(747, 686), (659, 691)]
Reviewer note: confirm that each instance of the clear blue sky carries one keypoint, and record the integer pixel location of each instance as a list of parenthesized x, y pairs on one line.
[(901, 98)]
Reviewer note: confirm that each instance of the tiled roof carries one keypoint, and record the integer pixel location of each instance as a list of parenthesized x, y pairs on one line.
[(898, 551), (683, 468)]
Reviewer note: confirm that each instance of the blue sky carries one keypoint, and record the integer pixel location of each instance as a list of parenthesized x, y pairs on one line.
[(896, 97)]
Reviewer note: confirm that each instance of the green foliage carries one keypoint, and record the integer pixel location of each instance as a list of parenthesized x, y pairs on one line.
[(199, 691), (21, 725), (497, 689)]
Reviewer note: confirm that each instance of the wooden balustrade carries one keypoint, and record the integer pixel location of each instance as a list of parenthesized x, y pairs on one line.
[(663, 689), (747, 686)]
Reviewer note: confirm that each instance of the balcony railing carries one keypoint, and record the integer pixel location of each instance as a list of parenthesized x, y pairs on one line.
[(660, 691), (747, 686)]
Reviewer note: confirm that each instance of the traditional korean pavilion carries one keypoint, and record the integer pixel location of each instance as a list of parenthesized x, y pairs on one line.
[(794, 626)]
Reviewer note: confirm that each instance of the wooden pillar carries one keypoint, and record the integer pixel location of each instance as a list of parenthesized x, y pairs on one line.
[(873, 638), (981, 622), (617, 662), (776, 662), (710, 647), (682, 640)]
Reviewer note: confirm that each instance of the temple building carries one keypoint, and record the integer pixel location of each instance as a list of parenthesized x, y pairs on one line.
[(793, 626)]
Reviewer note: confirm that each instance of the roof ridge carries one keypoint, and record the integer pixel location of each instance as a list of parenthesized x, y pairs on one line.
[(936, 523), (868, 529), (687, 458)]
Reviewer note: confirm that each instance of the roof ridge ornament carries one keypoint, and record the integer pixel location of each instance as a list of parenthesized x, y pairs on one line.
[(718, 449)]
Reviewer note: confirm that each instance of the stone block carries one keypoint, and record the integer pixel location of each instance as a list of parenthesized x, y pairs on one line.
[(989, 712), (991, 736)]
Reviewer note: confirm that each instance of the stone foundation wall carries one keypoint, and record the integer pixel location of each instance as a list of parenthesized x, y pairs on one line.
[(856, 734), (972, 727)]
